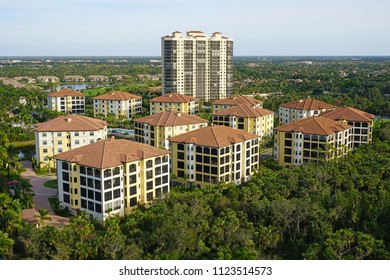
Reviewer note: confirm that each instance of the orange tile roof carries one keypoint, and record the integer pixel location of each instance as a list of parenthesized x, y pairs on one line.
[(65, 92), (174, 98), (70, 122), (117, 95), (244, 111), (217, 136), (236, 99), (110, 152), (314, 125), (308, 104), (348, 114), (171, 118)]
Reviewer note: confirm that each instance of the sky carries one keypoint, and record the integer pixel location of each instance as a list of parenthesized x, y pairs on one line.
[(134, 27)]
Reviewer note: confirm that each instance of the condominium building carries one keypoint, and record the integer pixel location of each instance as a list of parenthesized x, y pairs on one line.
[(120, 104), (66, 101), (65, 133), (174, 102), (235, 100), (251, 119), (197, 65), (111, 177), (361, 122), (300, 109), (156, 129), (311, 139), (214, 154)]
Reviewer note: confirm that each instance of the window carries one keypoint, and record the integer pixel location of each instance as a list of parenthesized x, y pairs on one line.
[(98, 196), (117, 170), (116, 182), (149, 196), (66, 198), (149, 185), (82, 169), (65, 187), (65, 166), (132, 168), (107, 196), (65, 176), (97, 173), (149, 163), (133, 190), (107, 173), (133, 201), (90, 194), (117, 193), (98, 184), (83, 192), (107, 184), (149, 174)]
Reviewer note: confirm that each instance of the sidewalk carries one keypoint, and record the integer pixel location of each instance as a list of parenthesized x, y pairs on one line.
[(41, 197)]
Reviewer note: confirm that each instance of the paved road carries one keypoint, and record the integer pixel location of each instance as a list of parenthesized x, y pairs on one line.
[(41, 197)]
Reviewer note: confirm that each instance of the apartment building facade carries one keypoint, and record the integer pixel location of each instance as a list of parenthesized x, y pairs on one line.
[(214, 154), (66, 133), (360, 121), (66, 101), (300, 109), (111, 177), (311, 139), (255, 120), (121, 104), (197, 65), (235, 100), (174, 102), (155, 129)]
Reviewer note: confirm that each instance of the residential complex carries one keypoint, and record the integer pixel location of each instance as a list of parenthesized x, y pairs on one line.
[(235, 100), (311, 139), (174, 102), (300, 109), (251, 119), (121, 104), (361, 122), (156, 129), (111, 177), (212, 154), (197, 65), (66, 101), (65, 133)]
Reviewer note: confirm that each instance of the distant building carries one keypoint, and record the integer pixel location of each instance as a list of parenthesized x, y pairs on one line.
[(197, 65), (300, 109), (360, 121), (75, 78), (25, 79), (214, 154), (48, 79), (251, 119), (120, 104), (97, 78), (111, 177), (311, 139), (156, 129), (174, 102), (22, 101), (235, 100), (66, 133), (66, 101)]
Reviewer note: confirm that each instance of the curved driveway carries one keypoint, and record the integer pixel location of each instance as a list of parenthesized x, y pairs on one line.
[(41, 197)]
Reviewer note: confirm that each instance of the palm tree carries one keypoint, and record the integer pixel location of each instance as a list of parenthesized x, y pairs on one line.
[(6, 243), (50, 158), (42, 216), (10, 221)]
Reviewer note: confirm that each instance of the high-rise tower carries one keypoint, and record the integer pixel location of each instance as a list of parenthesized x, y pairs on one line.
[(197, 65)]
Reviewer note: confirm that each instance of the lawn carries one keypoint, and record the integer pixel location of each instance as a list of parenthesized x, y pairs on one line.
[(52, 184)]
